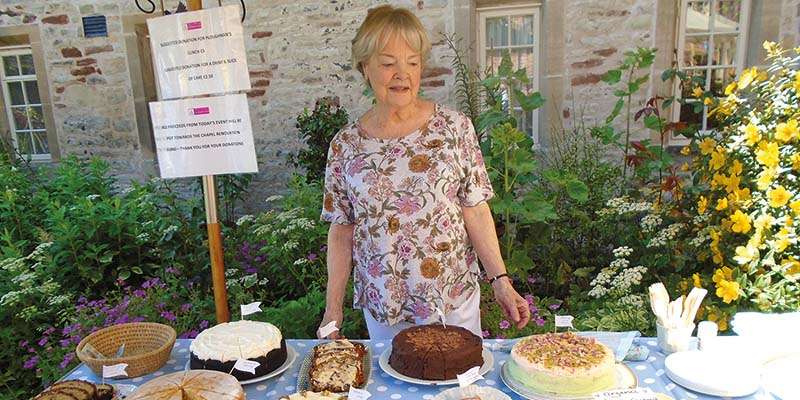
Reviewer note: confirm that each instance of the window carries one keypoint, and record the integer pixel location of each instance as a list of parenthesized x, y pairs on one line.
[(711, 45), (515, 30), (23, 105)]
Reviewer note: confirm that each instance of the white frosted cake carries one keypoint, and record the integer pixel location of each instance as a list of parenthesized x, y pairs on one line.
[(563, 363), (219, 347)]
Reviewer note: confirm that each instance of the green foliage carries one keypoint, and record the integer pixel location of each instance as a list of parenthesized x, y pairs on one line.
[(317, 129), (467, 88)]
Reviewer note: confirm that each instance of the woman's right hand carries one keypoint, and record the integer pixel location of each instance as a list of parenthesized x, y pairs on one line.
[(332, 315)]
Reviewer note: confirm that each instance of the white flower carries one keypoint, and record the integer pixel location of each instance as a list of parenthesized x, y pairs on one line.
[(92, 197), (621, 252), (666, 235), (650, 222), (245, 219), (270, 199)]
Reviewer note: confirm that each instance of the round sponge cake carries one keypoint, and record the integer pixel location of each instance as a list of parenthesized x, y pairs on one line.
[(563, 363)]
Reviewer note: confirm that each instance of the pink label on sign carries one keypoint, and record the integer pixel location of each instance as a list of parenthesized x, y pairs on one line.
[(190, 26), (201, 110)]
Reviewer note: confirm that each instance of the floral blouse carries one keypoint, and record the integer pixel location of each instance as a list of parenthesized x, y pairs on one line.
[(411, 251)]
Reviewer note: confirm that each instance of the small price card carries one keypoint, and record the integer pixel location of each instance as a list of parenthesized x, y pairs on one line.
[(468, 378), (246, 366), (251, 308), (110, 371), (326, 330), (358, 394), (626, 394), (564, 321)]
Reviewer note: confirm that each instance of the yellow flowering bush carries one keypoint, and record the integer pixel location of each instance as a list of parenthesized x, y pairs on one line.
[(747, 192)]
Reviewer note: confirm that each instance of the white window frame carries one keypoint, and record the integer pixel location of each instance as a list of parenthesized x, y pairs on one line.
[(512, 11), (17, 51), (738, 66)]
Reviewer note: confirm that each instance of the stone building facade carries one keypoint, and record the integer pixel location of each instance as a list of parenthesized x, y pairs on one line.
[(93, 91)]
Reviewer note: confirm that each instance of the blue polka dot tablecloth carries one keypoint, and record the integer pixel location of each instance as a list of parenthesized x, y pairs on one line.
[(650, 374)]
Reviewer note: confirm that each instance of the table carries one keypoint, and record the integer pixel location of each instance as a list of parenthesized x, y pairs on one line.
[(650, 374)]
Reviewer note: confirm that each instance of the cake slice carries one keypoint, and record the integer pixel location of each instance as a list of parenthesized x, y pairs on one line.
[(337, 366), (89, 388)]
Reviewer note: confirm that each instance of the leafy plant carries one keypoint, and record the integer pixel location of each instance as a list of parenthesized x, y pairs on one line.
[(317, 130)]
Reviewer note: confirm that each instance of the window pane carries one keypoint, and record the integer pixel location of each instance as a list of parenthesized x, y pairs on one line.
[(523, 58), (37, 118), (26, 64), (493, 59), (695, 78), (15, 91), (695, 51), (32, 90), (10, 65), (524, 122), (689, 116), (522, 30), (698, 17), (24, 145), (496, 32), (40, 142), (721, 77), (727, 14), (20, 117), (724, 49)]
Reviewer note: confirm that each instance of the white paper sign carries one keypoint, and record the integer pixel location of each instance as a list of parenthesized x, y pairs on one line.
[(199, 52), (564, 321), (441, 316), (326, 330), (110, 371), (469, 377), (358, 394), (251, 308), (206, 136), (626, 394), (246, 366)]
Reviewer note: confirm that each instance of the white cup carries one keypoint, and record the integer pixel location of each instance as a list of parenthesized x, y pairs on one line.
[(672, 340)]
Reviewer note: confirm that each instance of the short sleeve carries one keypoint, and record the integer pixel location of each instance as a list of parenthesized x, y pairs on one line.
[(475, 185), (336, 207)]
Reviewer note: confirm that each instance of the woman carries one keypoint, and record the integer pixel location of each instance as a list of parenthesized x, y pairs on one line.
[(406, 193)]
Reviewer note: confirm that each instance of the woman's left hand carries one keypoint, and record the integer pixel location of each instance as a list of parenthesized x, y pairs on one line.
[(513, 305)]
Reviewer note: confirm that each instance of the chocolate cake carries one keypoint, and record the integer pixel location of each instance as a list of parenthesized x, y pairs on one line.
[(435, 352), (219, 347)]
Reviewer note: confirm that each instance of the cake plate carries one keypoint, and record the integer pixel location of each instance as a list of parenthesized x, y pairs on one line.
[(488, 364), (626, 379), (291, 355)]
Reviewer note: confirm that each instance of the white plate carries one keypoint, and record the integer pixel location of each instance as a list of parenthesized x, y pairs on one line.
[(483, 392), (488, 363), (291, 355), (626, 379), (780, 377), (722, 374)]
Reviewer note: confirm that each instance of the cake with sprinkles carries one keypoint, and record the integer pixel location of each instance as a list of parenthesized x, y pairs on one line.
[(563, 363)]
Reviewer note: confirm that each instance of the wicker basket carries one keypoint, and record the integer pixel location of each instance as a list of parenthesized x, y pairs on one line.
[(147, 347)]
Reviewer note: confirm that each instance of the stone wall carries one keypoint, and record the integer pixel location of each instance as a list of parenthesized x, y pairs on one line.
[(299, 50)]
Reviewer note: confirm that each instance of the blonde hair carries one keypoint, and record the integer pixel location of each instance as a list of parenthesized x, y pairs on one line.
[(380, 25)]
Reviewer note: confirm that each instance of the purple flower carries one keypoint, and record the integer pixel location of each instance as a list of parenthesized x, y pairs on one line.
[(504, 324), (203, 324), (186, 307), (49, 331), (64, 342), (539, 321), (168, 315), (554, 306), (531, 279), (67, 359), (250, 270), (190, 334), (31, 362), (500, 336), (171, 270), (323, 248), (421, 310), (312, 256), (534, 310), (42, 341), (140, 293), (530, 299), (138, 319), (23, 343), (485, 334)]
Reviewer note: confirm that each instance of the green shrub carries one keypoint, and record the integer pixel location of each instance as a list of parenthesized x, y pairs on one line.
[(317, 130)]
